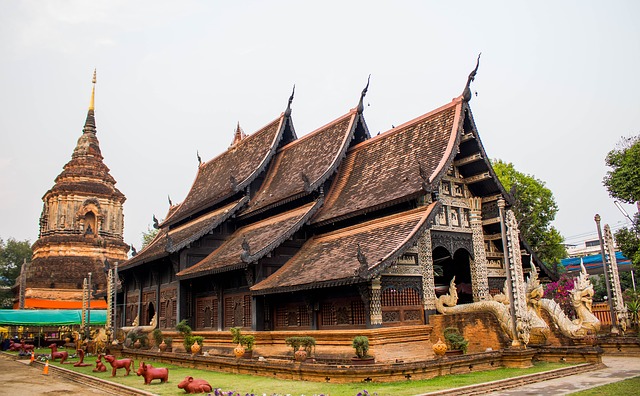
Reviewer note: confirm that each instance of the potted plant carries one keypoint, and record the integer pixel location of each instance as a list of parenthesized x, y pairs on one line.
[(455, 341), (169, 342), (187, 338), (157, 337), (361, 346), (244, 343), (302, 346)]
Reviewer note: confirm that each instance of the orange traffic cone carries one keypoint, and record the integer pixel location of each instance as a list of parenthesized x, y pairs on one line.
[(45, 371), (33, 357)]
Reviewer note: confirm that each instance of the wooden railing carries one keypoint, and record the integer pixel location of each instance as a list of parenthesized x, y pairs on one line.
[(602, 312)]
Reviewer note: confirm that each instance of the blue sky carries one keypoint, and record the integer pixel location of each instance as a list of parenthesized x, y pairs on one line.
[(557, 87)]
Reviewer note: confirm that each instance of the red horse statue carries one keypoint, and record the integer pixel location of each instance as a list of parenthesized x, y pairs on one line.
[(20, 346), (55, 354), (81, 362), (100, 367), (116, 364), (191, 385), (149, 373)]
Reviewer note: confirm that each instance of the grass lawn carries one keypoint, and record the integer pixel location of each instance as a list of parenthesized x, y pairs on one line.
[(248, 384), (626, 387)]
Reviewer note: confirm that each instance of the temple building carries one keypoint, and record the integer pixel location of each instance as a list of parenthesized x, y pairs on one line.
[(333, 230), (81, 226)]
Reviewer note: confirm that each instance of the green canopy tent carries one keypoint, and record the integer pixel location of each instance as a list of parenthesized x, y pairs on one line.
[(49, 317)]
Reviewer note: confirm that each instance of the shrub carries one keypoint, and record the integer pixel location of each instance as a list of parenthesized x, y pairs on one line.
[(560, 292), (168, 341), (157, 336), (306, 342), (246, 341), (455, 340), (185, 330), (361, 345)]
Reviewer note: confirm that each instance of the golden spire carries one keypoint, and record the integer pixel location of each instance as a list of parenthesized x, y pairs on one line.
[(93, 91)]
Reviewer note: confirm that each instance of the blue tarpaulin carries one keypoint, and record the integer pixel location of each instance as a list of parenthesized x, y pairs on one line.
[(593, 262), (49, 317)]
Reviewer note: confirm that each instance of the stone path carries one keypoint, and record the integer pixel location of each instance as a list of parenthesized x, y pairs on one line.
[(618, 368)]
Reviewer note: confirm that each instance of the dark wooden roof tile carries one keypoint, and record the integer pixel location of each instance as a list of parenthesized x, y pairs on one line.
[(332, 259), (304, 164), (231, 171), (260, 238), (395, 165)]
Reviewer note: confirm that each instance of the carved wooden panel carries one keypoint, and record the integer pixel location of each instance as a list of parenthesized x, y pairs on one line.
[(342, 313), (292, 316), (237, 310), (207, 313), (168, 308)]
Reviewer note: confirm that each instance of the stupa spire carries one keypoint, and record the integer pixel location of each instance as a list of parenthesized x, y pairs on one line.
[(91, 122)]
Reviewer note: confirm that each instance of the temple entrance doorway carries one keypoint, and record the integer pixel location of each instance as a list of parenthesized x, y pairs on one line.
[(446, 266)]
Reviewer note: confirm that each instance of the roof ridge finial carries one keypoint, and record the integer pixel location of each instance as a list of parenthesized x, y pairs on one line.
[(287, 112), (360, 107), (466, 94), (238, 135), (93, 91)]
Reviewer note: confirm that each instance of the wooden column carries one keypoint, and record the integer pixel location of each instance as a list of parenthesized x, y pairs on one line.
[(425, 261), (375, 303)]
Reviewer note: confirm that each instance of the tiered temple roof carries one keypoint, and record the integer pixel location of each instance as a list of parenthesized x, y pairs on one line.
[(233, 170), (349, 255), (361, 201), (252, 242), (305, 164), (394, 166)]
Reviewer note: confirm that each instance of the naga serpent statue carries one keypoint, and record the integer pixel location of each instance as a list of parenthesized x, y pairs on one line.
[(581, 298), (446, 304)]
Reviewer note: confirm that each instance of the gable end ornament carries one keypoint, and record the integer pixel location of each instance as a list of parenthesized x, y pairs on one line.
[(466, 94)]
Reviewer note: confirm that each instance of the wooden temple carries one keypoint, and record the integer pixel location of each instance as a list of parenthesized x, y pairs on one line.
[(333, 230), (81, 226)]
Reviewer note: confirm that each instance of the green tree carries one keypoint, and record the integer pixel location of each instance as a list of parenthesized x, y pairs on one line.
[(535, 208), (623, 182), (12, 255), (147, 236), (628, 241)]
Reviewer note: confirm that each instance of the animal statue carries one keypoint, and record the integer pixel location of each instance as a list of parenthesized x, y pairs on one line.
[(149, 373), (20, 346), (191, 385), (14, 346), (446, 304), (100, 367), (100, 340), (534, 293), (117, 364), (80, 363), (581, 299), (63, 355)]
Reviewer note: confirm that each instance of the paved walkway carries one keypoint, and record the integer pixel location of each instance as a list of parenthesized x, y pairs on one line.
[(618, 368), (17, 378)]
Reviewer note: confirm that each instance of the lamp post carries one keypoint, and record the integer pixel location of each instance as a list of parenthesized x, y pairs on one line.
[(614, 319)]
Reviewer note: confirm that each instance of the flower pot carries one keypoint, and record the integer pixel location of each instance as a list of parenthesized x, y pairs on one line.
[(454, 352), (439, 348), (162, 346), (195, 348), (137, 344), (239, 351), (356, 361), (300, 355)]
